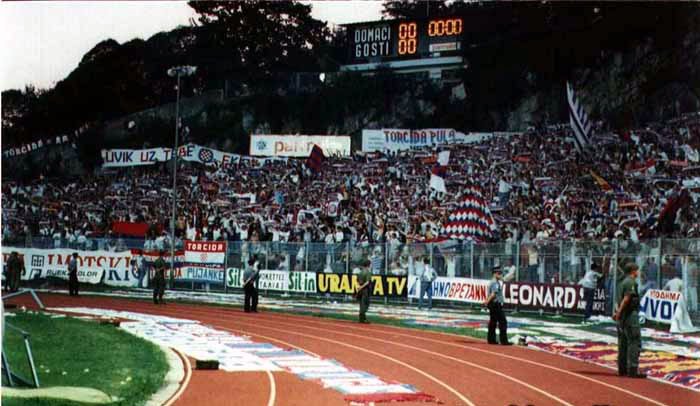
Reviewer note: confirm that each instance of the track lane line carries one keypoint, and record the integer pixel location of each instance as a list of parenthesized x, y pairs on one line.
[(185, 382), (273, 389), (433, 353), (348, 325)]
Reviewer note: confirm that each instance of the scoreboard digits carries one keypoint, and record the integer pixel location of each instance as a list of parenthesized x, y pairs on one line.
[(439, 28), (399, 39), (407, 38)]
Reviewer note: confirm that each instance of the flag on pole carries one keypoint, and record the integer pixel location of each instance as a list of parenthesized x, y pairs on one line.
[(578, 120), (315, 159)]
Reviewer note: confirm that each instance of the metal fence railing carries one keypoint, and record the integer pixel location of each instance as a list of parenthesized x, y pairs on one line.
[(550, 262)]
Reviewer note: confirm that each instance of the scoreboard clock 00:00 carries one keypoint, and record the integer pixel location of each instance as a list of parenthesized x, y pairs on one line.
[(404, 39)]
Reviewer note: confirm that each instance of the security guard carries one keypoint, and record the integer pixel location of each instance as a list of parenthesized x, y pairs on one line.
[(73, 275), (627, 317), (363, 291), (494, 302), (250, 290), (159, 279), (15, 267)]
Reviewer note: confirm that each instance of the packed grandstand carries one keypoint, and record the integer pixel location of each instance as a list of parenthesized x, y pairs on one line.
[(636, 184)]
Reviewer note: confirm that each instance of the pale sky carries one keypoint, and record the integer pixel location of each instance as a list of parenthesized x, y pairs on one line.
[(42, 42)]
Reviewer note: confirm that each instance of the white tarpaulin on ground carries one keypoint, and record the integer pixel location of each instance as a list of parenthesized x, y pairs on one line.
[(667, 307), (92, 265)]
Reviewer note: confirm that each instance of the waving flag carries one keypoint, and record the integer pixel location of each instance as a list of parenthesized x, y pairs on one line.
[(602, 183), (471, 219), (437, 176), (315, 160), (579, 120)]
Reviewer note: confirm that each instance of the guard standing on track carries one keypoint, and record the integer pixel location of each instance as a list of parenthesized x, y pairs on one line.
[(15, 267), (250, 279), (364, 291), (159, 279), (73, 275), (494, 302), (627, 317)]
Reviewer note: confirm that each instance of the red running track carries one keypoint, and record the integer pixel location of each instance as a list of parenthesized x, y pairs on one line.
[(456, 370)]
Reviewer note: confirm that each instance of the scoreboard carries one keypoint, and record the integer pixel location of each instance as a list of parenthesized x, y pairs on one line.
[(382, 41)]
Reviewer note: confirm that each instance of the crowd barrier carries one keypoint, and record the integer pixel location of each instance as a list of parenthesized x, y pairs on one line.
[(545, 275)]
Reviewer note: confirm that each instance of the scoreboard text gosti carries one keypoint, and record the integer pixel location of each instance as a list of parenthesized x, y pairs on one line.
[(404, 39)]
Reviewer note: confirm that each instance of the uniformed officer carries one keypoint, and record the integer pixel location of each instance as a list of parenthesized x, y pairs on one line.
[(15, 267), (250, 279), (627, 317), (494, 301), (159, 279), (364, 291), (73, 275)]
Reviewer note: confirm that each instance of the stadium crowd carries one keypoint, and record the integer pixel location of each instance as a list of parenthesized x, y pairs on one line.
[(538, 186)]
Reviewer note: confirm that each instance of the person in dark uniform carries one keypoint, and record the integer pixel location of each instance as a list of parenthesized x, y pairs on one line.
[(15, 267), (494, 301), (159, 279), (250, 279), (627, 317), (73, 275), (364, 291)]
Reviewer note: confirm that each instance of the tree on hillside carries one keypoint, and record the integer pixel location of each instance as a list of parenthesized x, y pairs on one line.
[(414, 8), (262, 37)]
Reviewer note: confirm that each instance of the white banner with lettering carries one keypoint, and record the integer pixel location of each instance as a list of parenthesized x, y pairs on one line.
[(298, 145), (666, 307), (396, 139), (92, 265), (112, 158)]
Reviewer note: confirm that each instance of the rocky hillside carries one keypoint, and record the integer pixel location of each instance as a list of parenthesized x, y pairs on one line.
[(631, 62)]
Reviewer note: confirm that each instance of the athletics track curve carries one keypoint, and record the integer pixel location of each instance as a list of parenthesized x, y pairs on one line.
[(456, 370)]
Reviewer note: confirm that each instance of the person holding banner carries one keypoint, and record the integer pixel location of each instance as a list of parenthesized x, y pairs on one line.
[(73, 275), (363, 291), (159, 279), (250, 278), (629, 331), (495, 302)]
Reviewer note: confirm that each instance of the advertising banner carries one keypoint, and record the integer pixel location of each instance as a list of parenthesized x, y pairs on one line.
[(551, 297), (281, 281), (455, 289), (396, 139), (298, 145), (92, 265), (666, 307), (382, 285)]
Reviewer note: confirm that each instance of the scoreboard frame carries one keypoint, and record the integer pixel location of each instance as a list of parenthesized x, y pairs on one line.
[(383, 41)]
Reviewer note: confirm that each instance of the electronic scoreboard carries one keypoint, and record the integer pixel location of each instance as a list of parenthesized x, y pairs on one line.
[(385, 41)]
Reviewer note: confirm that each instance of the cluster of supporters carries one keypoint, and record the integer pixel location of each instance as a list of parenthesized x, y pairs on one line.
[(538, 187)]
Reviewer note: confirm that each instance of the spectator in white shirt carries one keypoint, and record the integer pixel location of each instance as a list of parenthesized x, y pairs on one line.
[(427, 278), (590, 283)]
